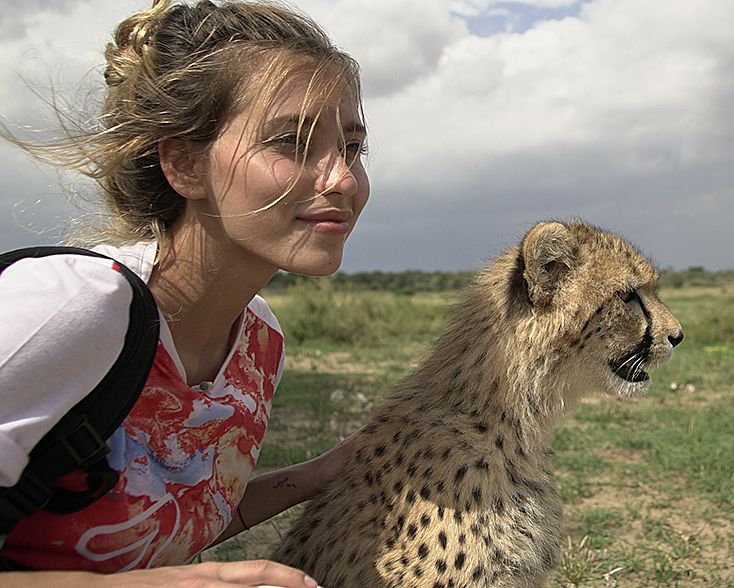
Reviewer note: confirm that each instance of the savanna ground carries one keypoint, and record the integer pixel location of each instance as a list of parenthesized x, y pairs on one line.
[(647, 486)]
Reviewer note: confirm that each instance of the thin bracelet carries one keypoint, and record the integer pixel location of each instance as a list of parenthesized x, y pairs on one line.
[(239, 514)]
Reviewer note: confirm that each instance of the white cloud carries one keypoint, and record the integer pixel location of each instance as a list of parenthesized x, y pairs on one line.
[(17, 16), (58, 45), (61, 44), (396, 43), (562, 83)]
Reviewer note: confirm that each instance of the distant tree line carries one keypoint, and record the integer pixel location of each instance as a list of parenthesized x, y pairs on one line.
[(412, 281), (406, 282), (695, 276)]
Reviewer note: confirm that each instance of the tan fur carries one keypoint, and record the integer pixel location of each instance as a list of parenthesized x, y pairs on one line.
[(451, 483)]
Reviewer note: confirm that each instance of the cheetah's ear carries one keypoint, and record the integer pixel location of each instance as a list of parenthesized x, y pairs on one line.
[(549, 251)]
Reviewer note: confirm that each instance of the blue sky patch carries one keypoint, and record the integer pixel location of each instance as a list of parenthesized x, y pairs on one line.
[(515, 17)]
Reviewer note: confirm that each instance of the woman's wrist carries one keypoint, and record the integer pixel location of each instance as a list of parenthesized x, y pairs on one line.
[(271, 493)]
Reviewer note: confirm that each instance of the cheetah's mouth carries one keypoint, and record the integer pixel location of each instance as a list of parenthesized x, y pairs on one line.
[(629, 367)]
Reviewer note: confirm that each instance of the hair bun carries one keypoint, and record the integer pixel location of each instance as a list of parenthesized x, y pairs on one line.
[(127, 55)]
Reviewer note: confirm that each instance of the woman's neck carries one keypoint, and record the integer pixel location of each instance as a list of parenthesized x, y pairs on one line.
[(201, 289)]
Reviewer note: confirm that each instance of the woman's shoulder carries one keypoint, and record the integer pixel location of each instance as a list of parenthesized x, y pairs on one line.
[(63, 320), (260, 308), (139, 257), (57, 281), (61, 284)]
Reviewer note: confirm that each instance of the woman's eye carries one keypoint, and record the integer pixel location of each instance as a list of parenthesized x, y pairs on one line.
[(294, 142), (355, 149)]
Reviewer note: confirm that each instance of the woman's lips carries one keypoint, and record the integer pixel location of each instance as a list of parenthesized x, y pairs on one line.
[(335, 222)]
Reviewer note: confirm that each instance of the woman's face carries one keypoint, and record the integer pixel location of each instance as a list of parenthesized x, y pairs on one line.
[(285, 191)]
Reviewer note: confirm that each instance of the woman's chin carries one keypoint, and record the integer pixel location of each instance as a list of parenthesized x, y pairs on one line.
[(325, 266)]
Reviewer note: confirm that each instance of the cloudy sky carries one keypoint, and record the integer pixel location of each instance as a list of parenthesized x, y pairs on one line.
[(485, 116)]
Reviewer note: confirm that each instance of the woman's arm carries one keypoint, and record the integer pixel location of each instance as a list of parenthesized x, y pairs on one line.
[(271, 493), (205, 575)]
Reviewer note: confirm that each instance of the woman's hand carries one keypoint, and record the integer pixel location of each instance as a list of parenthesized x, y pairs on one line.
[(245, 574), (219, 575)]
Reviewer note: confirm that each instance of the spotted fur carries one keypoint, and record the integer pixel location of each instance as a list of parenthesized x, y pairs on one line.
[(450, 485)]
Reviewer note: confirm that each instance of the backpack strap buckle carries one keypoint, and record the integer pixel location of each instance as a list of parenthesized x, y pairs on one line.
[(82, 441)]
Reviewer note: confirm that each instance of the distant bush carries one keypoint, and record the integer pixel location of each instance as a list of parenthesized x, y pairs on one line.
[(713, 326), (407, 282), (695, 276), (319, 311), (414, 281)]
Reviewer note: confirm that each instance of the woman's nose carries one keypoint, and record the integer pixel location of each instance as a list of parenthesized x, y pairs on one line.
[(336, 175)]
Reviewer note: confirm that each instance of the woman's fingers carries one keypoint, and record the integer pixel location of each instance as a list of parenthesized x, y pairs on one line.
[(264, 573)]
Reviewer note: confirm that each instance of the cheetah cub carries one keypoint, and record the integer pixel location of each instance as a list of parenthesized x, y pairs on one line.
[(450, 485)]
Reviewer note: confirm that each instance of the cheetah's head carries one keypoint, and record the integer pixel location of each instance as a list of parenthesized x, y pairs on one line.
[(591, 298)]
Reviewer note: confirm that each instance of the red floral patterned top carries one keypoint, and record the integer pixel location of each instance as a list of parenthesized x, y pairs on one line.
[(184, 456)]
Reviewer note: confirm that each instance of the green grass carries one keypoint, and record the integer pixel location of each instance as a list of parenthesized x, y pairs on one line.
[(647, 486), (317, 313), (706, 358)]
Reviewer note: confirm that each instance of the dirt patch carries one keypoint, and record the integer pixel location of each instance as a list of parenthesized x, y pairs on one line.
[(257, 543), (344, 362), (652, 529)]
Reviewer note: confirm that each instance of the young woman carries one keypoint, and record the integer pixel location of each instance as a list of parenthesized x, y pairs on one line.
[(230, 146)]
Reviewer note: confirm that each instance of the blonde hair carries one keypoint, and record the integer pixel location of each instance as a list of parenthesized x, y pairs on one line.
[(183, 71)]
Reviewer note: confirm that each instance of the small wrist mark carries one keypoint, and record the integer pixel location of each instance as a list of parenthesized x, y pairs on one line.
[(283, 483)]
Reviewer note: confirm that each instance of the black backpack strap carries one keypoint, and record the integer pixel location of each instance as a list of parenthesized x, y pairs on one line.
[(77, 441)]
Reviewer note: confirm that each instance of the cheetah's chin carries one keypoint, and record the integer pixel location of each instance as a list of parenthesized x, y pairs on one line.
[(624, 389)]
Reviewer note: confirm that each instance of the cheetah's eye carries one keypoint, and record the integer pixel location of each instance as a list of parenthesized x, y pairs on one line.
[(629, 296)]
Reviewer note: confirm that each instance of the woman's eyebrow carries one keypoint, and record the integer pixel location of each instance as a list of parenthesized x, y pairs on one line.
[(354, 128), (279, 123)]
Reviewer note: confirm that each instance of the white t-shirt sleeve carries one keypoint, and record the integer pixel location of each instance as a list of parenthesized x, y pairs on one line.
[(63, 320)]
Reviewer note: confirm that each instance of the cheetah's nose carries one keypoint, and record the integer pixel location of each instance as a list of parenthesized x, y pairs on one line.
[(675, 339)]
